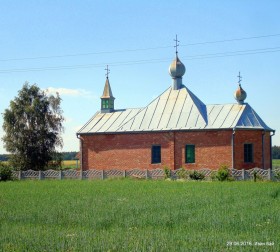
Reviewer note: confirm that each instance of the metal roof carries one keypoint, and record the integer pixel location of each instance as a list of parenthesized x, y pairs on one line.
[(175, 110)]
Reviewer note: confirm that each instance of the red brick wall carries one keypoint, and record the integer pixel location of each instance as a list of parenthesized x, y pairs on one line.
[(253, 137), (212, 149), (128, 151), (125, 151)]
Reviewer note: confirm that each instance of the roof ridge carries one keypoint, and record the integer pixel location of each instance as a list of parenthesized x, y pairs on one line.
[(200, 105)]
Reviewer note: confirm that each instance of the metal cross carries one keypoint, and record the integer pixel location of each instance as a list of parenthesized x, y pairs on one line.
[(107, 71), (176, 44), (240, 79)]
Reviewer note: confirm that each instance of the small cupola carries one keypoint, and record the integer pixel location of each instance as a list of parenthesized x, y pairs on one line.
[(177, 69), (107, 99), (240, 94)]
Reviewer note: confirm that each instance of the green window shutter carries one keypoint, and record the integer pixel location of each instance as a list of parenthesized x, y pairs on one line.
[(190, 153)]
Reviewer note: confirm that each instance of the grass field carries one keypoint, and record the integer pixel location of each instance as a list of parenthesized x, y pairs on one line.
[(139, 215), (69, 164), (72, 164), (276, 162)]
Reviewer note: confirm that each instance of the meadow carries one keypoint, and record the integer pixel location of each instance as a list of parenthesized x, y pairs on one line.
[(139, 215), (276, 162), (72, 164), (66, 164)]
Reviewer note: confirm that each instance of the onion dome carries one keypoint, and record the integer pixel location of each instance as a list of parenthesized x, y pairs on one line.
[(177, 68), (240, 95), (176, 71)]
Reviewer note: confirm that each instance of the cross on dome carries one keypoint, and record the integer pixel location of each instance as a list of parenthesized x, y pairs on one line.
[(240, 94), (176, 44), (239, 79)]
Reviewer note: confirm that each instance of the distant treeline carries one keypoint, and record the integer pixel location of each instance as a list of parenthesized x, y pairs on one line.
[(276, 152), (65, 156)]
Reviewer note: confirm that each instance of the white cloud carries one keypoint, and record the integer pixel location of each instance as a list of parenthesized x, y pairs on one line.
[(68, 92)]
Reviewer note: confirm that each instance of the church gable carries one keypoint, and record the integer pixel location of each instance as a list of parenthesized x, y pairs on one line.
[(250, 119)]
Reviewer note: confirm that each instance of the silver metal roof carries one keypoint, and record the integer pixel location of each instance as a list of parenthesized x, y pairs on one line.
[(175, 110)]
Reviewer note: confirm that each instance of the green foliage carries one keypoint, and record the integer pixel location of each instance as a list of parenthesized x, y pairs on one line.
[(32, 125), (137, 215), (213, 176), (275, 163), (257, 177), (275, 194), (65, 156), (182, 173), (56, 162), (5, 172), (69, 155), (223, 174), (195, 175), (276, 175), (276, 152), (167, 172)]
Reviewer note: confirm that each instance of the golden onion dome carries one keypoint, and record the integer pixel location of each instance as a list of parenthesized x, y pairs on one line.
[(240, 95)]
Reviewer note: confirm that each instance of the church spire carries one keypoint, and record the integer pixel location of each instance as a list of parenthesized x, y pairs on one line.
[(107, 99), (177, 69)]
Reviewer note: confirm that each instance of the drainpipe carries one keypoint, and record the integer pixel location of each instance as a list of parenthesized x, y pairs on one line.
[(232, 144), (81, 151), (263, 157), (174, 148), (273, 133)]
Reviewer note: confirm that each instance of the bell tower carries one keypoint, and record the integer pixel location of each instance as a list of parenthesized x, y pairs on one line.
[(107, 99)]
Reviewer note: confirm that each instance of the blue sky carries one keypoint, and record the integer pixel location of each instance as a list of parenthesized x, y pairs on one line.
[(65, 45)]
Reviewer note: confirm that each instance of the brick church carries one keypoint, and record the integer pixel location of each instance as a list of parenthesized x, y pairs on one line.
[(175, 130)]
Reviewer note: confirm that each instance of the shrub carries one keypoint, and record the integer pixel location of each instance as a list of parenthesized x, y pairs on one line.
[(167, 172), (56, 163), (223, 174), (256, 177), (5, 172), (197, 175), (277, 175), (182, 173)]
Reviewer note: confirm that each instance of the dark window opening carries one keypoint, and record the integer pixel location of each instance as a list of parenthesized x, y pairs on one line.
[(156, 154), (190, 153), (248, 153)]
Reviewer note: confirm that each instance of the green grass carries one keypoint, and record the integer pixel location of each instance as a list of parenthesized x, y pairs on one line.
[(276, 162), (72, 164), (131, 215)]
